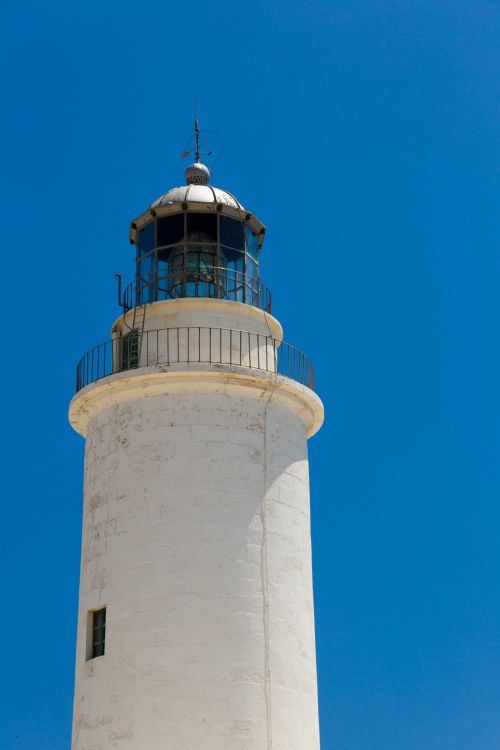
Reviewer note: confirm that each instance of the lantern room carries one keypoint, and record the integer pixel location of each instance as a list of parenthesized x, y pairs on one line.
[(197, 241)]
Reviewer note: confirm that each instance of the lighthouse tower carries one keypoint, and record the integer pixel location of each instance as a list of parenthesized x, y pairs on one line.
[(196, 620)]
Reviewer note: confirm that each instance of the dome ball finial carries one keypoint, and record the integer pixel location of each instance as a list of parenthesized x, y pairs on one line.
[(197, 174)]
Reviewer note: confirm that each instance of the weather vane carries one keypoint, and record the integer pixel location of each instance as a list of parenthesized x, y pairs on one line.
[(212, 143), (197, 135)]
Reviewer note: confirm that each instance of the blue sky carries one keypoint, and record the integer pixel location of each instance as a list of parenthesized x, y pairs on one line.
[(364, 134)]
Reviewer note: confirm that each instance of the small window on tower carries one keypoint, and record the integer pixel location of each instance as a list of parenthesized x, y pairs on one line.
[(130, 346), (98, 632)]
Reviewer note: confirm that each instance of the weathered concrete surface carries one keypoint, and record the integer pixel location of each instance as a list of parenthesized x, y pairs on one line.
[(201, 311), (196, 538)]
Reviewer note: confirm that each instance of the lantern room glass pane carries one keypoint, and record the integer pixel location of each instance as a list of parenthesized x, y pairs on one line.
[(252, 243), (201, 228), (146, 293), (207, 259), (147, 267), (164, 255), (233, 259), (164, 269), (231, 233), (170, 230), (201, 256), (176, 258), (252, 268), (174, 284), (147, 239)]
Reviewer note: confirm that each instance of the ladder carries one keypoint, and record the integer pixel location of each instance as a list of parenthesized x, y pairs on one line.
[(138, 329), (135, 341)]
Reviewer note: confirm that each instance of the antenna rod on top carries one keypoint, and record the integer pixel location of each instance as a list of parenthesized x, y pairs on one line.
[(197, 134)]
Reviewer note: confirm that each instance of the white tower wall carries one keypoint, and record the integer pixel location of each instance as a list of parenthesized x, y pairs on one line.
[(196, 538)]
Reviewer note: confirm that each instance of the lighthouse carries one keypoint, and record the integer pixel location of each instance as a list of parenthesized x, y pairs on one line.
[(196, 617)]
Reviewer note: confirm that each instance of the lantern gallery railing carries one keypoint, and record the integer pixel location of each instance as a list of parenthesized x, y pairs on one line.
[(186, 345), (198, 281)]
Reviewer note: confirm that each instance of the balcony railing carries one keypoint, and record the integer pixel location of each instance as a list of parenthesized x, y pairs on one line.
[(200, 345), (198, 281)]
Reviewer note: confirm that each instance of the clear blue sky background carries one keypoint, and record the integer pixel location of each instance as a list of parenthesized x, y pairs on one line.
[(364, 133)]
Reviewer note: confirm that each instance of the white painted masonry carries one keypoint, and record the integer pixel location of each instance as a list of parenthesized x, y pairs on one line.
[(196, 538)]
